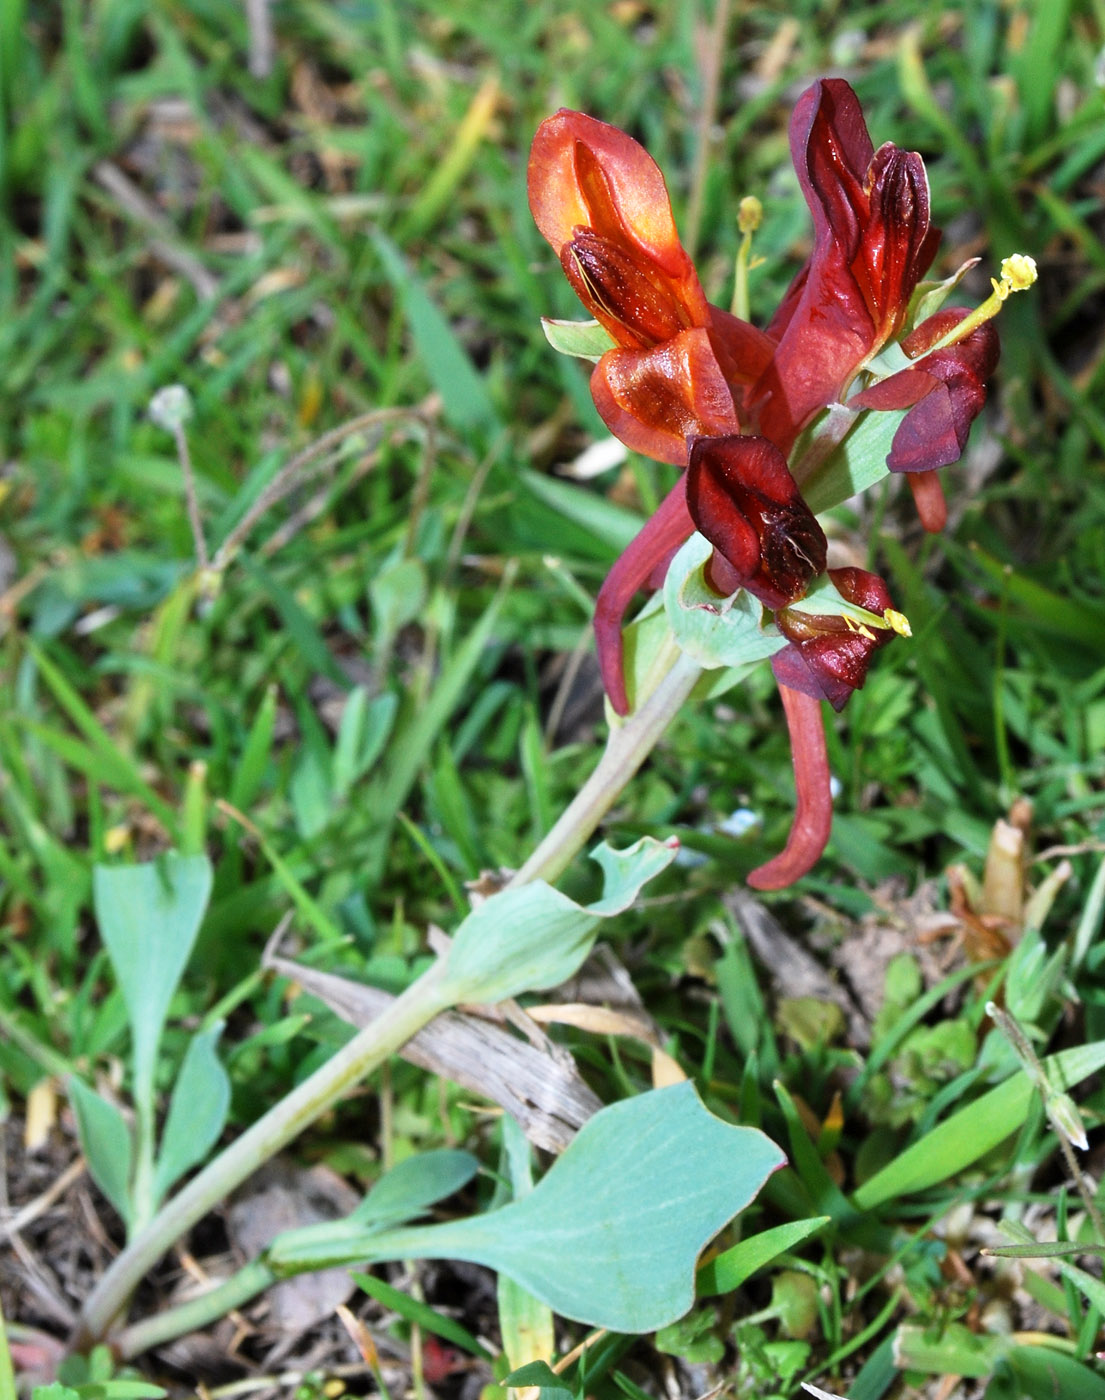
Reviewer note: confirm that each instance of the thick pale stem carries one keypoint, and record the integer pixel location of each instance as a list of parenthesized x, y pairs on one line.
[(627, 748), (196, 1313), (286, 1120), (813, 816)]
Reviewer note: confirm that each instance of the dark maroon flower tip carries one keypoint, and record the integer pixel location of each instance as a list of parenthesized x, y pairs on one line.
[(742, 497), (828, 656), (944, 391), (873, 240), (813, 813), (666, 529)]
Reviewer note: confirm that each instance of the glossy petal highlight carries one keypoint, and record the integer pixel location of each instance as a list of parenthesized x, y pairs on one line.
[(742, 497), (656, 400)]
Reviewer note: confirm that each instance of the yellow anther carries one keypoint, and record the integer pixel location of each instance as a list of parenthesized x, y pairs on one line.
[(854, 625), (897, 622), (1018, 272), (749, 214)]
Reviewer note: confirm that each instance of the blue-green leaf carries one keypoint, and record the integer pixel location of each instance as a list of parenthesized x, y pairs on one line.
[(611, 1234), (533, 936), (197, 1111), (149, 916), (106, 1143)]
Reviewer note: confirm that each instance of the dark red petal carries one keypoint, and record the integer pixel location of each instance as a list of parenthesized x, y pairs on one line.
[(742, 351), (872, 241), (832, 152), (667, 528), (862, 588), (928, 497), (795, 668), (827, 658), (934, 432), (813, 816), (895, 240), (636, 310), (654, 400), (743, 498), (901, 390)]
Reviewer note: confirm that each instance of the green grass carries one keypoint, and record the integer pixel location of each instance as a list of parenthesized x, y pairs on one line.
[(350, 234)]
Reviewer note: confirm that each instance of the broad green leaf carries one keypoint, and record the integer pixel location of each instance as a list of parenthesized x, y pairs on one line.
[(534, 936), (609, 1237), (730, 1269), (149, 916), (586, 340), (714, 631), (417, 1183), (541, 1374), (106, 1143), (975, 1130), (197, 1111), (1043, 1374)]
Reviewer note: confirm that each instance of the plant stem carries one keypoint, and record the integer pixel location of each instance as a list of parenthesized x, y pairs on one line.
[(628, 746), (216, 1302), (284, 1121)]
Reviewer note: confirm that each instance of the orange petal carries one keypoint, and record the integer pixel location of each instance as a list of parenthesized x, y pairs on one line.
[(654, 400)]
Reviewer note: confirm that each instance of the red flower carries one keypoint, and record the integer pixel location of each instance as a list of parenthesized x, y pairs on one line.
[(872, 243), (601, 202), (743, 498), (829, 654), (692, 385)]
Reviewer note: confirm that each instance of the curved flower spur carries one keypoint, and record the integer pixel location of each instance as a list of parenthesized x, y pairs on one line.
[(858, 373)]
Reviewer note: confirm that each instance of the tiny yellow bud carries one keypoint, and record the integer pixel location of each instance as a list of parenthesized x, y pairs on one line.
[(749, 214), (897, 622), (1018, 272)]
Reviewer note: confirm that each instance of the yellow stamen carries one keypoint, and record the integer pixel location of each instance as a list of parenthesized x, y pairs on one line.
[(749, 214), (1018, 272), (897, 622), (854, 625)]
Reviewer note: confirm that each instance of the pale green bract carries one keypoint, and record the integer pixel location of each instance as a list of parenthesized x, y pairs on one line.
[(532, 937), (585, 340)]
